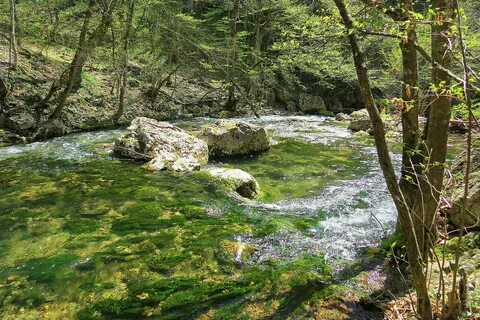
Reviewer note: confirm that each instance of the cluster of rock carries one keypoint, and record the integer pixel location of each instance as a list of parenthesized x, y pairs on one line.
[(163, 146), (359, 121)]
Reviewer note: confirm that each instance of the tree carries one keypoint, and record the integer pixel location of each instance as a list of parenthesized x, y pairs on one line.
[(233, 16), (123, 72), (13, 55), (417, 194), (85, 47), (3, 89)]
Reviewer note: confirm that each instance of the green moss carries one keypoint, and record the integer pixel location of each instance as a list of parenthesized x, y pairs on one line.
[(99, 239), (295, 169)]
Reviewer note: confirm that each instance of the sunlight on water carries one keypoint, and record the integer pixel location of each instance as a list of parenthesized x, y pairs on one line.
[(105, 237)]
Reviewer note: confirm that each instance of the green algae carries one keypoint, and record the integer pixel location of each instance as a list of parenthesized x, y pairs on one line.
[(296, 169), (109, 240), (103, 239)]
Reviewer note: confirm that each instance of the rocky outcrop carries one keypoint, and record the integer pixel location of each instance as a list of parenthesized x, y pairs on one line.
[(162, 145), (228, 138), (472, 210), (21, 121), (311, 104), (7, 138), (237, 180), (360, 121)]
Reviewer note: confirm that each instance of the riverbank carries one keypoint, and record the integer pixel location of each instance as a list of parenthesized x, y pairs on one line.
[(94, 102)]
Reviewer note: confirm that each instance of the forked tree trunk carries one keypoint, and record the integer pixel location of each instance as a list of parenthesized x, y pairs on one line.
[(124, 64), (76, 64), (84, 50), (436, 131), (13, 55)]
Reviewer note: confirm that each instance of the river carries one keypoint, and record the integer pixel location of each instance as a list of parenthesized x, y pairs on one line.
[(88, 236)]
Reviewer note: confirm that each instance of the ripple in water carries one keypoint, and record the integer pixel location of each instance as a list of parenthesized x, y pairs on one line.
[(357, 212)]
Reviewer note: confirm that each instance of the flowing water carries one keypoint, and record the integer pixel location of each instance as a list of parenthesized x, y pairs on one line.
[(88, 236)]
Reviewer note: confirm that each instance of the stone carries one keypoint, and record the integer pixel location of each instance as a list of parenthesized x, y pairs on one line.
[(7, 138), (360, 121), (333, 105), (163, 145), (21, 122), (472, 210), (237, 180), (342, 117), (361, 114), (359, 125), (311, 104), (228, 138)]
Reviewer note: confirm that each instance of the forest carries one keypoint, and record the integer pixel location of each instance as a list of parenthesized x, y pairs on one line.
[(240, 159)]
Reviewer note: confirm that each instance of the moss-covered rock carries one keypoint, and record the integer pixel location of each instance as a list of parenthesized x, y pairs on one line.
[(237, 180)]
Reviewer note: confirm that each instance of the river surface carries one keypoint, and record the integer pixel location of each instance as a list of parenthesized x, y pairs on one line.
[(88, 236)]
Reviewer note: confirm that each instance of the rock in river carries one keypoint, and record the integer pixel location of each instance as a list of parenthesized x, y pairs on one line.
[(361, 121), (240, 181), (229, 138), (342, 117), (164, 146)]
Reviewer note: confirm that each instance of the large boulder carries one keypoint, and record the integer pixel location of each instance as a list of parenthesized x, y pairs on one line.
[(237, 180), (472, 210), (229, 138), (360, 121), (162, 145), (311, 104), (361, 114)]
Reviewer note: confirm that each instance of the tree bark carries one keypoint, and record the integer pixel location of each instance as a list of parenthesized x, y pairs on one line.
[(436, 131), (13, 54), (232, 55), (124, 64)]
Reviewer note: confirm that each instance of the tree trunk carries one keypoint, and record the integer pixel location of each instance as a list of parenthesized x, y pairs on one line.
[(232, 55), (124, 64), (439, 112), (13, 55)]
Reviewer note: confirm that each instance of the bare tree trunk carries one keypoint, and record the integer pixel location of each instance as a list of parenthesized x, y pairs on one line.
[(124, 65), (458, 294), (232, 55), (436, 133), (13, 55)]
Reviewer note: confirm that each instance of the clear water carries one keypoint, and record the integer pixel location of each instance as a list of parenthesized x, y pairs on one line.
[(91, 237)]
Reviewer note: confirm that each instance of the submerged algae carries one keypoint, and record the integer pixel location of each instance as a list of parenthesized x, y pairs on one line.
[(89, 237)]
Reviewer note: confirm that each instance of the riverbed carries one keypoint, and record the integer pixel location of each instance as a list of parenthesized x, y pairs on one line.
[(88, 236)]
